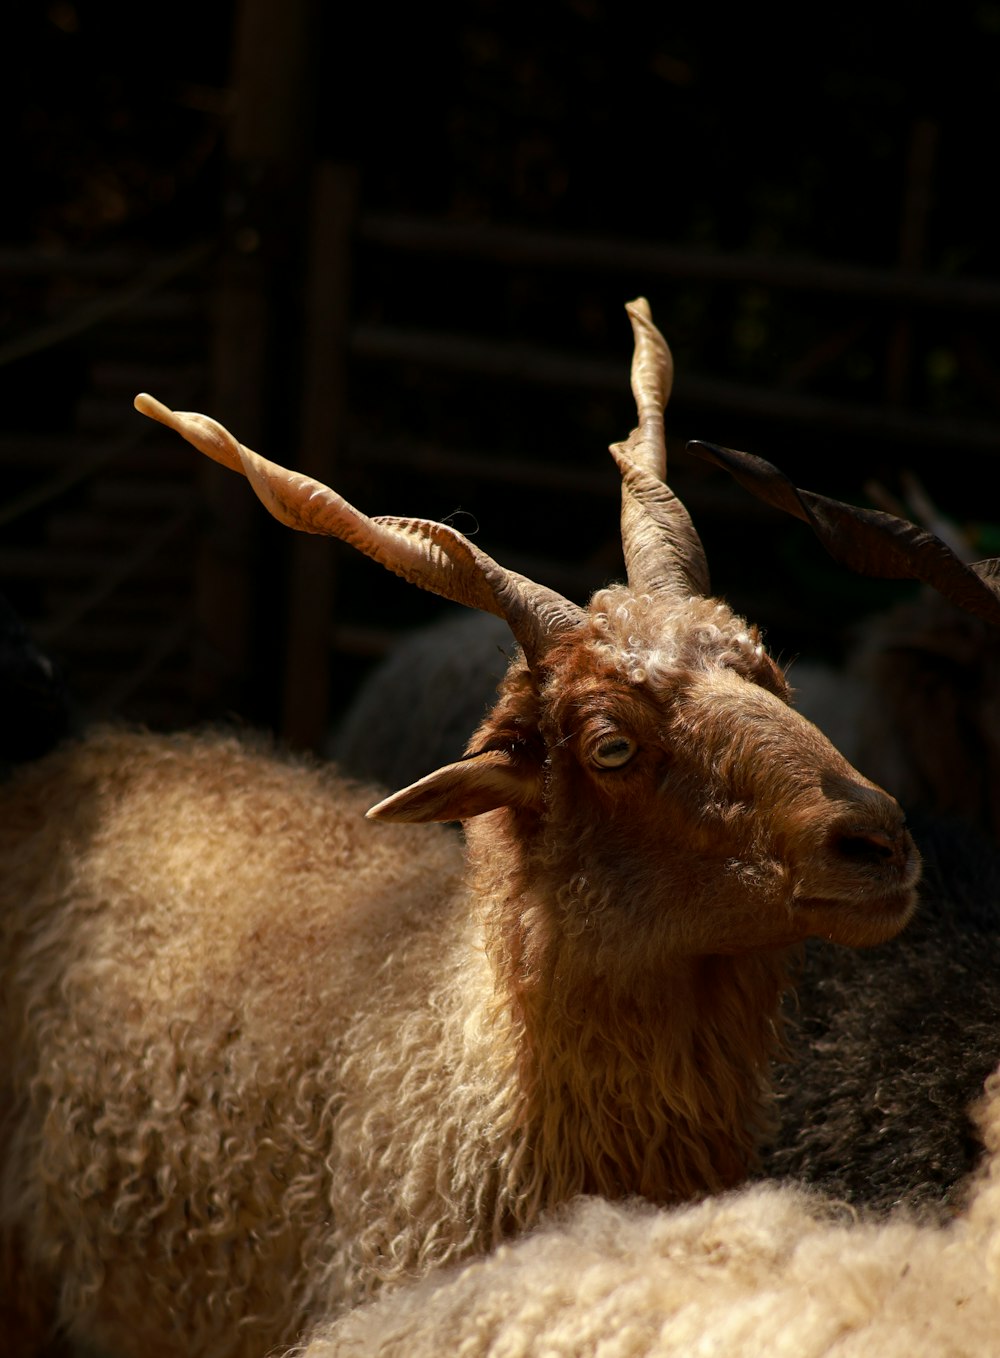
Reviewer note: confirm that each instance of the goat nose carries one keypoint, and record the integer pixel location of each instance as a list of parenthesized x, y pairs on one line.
[(874, 846)]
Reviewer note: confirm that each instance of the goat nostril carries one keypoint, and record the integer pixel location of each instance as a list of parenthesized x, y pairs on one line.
[(872, 846)]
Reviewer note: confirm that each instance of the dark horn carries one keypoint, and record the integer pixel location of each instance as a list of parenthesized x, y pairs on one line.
[(868, 541)]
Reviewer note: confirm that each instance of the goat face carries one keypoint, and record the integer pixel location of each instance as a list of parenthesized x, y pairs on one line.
[(730, 806)]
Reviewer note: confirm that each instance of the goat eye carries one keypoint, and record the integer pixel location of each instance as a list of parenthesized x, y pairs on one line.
[(614, 751)]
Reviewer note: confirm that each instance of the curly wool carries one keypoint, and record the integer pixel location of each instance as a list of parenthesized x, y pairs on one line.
[(691, 633), (177, 1045), (455, 1162), (762, 1271)]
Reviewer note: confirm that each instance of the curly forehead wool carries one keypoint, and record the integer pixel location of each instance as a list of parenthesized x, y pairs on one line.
[(646, 636)]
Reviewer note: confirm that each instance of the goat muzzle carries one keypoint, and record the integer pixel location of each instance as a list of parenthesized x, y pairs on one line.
[(859, 887)]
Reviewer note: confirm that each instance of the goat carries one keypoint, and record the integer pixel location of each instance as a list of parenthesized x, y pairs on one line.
[(764, 1270), (270, 1056)]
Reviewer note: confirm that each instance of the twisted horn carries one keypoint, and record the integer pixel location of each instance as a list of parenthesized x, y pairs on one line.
[(868, 541), (662, 550), (430, 555)]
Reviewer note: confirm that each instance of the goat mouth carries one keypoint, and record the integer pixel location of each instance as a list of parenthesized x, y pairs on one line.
[(858, 923)]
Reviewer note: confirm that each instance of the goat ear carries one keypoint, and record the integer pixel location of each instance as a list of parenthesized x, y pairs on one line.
[(482, 782)]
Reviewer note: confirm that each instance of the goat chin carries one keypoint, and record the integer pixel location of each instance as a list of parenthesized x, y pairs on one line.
[(861, 924), (763, 1270)]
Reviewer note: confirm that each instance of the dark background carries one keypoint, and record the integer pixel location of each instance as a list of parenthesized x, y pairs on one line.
[(857, 139)]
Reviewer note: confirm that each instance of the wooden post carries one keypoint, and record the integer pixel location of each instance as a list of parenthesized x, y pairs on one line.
[(306, 701), (269, 149)]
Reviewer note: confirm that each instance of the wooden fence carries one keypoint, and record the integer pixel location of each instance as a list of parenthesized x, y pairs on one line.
[(429, 369)]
